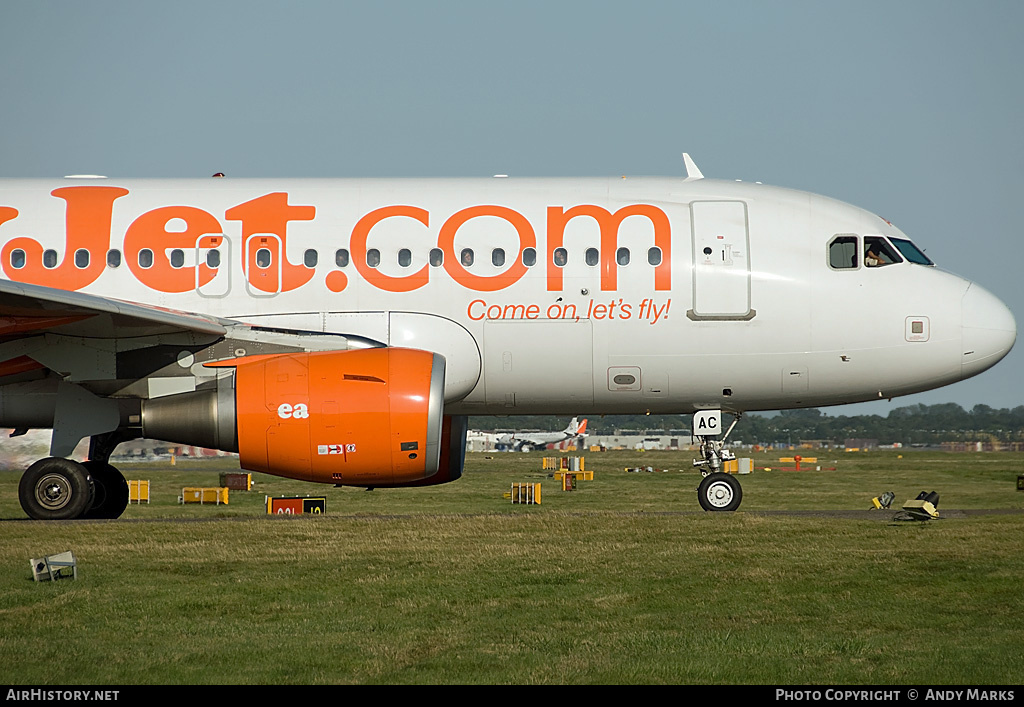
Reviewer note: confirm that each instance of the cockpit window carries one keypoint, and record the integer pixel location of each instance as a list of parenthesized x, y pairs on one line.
[(911, 252), (842, 252), (878, 252)]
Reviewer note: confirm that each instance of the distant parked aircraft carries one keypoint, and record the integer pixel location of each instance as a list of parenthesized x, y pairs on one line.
[(528, 441)]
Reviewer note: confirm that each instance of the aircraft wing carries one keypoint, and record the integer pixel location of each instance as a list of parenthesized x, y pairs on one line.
[(96, 345), (30, 310), (87, 338)]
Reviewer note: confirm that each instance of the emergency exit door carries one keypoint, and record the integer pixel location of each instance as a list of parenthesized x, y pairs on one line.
[(264, 259)]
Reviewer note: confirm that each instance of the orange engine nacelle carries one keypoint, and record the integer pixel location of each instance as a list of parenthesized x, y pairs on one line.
[(371, 417), (352, 417)]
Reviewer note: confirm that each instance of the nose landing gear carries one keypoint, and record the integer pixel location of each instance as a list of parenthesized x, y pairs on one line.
[(718, 491)]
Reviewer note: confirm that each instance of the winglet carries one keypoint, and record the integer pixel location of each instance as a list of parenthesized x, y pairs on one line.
[(691, 169)]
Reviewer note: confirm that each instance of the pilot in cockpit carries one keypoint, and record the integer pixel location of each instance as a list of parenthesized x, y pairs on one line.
[(877, 252)]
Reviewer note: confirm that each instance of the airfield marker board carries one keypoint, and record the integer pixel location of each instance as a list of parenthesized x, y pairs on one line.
[(211, 494), (138, 491), (236, 481), (525, 493), (296, 505)]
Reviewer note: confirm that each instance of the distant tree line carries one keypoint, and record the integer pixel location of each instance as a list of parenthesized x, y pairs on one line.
[(910, 425)]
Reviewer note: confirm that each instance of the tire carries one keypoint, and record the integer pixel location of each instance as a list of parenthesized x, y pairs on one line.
[(110, 496), (55, 489), (719, 492)]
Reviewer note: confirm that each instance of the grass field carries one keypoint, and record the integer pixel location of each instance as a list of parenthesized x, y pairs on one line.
[(622, 581)]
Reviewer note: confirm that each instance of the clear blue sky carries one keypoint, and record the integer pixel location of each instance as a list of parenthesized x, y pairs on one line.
[(910, 109)]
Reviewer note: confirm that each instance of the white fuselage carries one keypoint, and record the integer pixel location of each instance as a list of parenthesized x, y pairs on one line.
[(729, 297)]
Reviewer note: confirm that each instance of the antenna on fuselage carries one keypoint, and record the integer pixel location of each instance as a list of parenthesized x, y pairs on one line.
[(691, 169)]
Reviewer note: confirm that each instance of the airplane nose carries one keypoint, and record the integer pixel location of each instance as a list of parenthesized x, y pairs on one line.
[(988, 330)]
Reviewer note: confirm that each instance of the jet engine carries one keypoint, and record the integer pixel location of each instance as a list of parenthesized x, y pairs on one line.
[(371, 417)]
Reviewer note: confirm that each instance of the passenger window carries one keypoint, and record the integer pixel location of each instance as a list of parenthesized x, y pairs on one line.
[(560, 257), (842, 253), (373, 257), (592, 256), (177, 258), (81, 258), (310, 258), (341, 257), (17, 258), (654, 256), (213, 259), (467, 257), (529, 257), (145, 258), (878, 252), (113, 258), (263, 258), (436, 257), (622, 256), (497, 257), (49, 258), (405, 257)]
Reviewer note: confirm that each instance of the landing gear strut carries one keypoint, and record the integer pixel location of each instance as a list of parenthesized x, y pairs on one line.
[(718, 491)]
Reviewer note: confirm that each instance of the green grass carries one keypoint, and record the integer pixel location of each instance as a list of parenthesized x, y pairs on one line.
[(610, 583)]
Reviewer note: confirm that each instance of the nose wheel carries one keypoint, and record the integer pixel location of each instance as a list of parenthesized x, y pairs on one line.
[(719, 492)]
